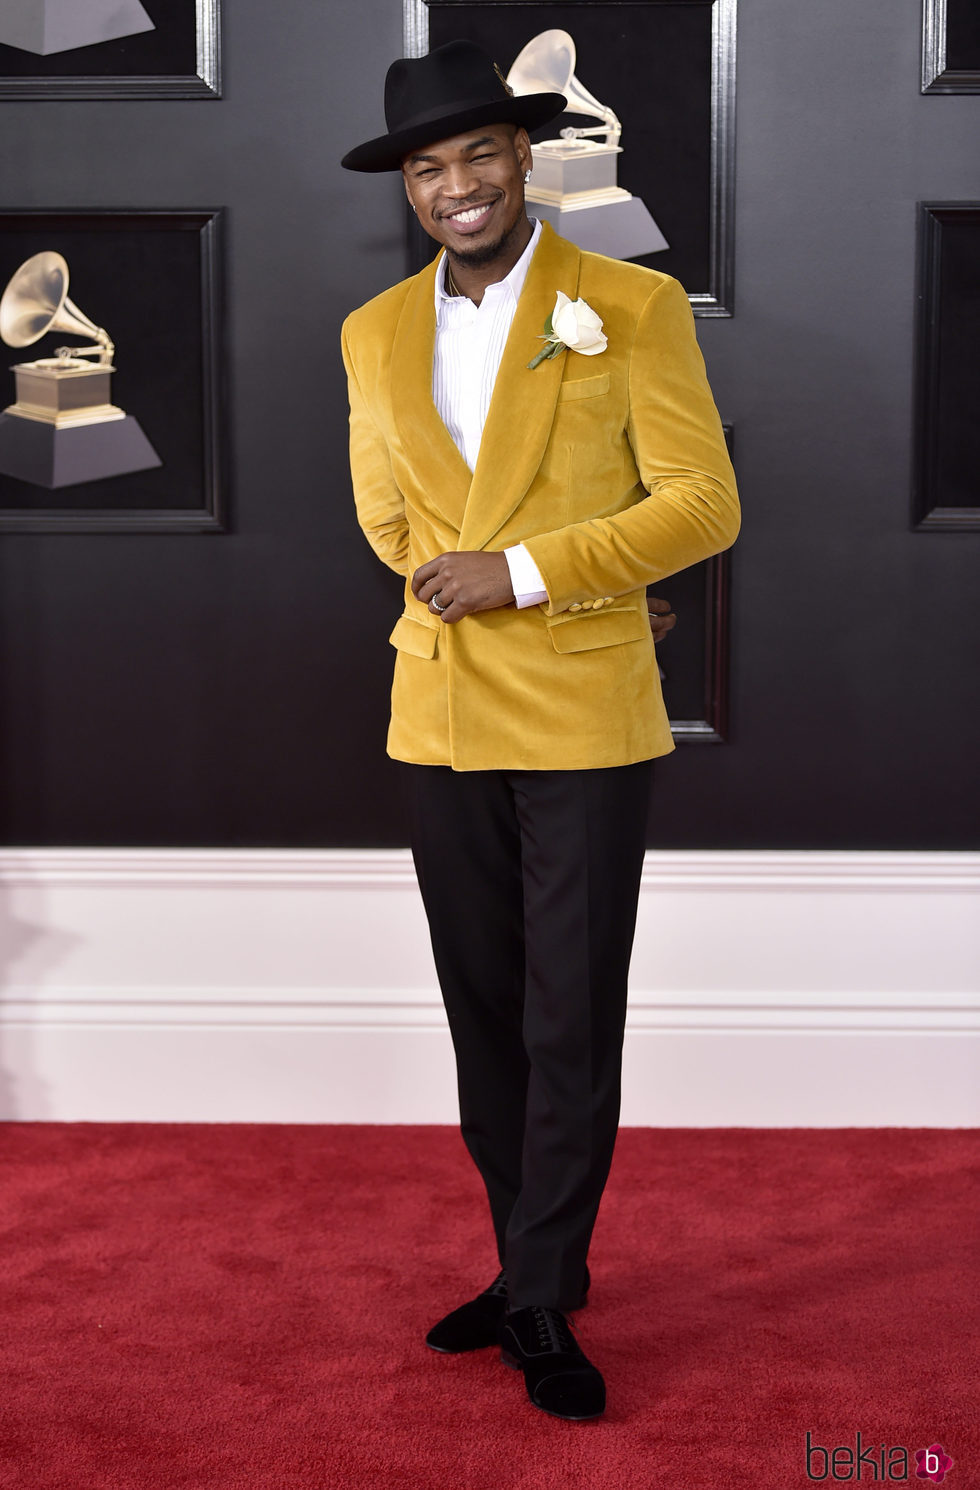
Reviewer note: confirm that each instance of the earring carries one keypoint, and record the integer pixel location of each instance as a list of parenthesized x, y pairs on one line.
[(527, 177)]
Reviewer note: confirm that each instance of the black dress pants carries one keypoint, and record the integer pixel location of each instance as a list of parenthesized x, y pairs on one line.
[(530, 882)]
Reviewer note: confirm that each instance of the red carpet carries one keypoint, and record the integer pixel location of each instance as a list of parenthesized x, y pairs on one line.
[(242, 1308)]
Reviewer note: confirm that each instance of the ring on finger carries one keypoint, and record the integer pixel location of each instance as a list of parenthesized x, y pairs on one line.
[(435, 602)]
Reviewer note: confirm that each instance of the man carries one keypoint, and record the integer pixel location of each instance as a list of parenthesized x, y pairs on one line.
[(528, 501)]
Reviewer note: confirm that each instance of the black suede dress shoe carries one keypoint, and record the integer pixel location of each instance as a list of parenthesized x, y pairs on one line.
[(559, 1376), (476, 1324)]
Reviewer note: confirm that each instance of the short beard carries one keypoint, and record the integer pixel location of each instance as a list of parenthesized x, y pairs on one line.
[(479, 258)]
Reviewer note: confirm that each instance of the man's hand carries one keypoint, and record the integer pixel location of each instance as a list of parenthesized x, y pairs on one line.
[(662, 618), (456, 585)]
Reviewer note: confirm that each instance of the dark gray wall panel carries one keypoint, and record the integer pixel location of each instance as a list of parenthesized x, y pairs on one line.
[(232, 689)]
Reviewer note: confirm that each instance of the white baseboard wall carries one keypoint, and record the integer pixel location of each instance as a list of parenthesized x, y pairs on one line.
[(768, 989)]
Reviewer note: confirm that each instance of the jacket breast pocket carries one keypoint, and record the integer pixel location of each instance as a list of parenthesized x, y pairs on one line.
[(585, 630), (583, 388), (414, 637)]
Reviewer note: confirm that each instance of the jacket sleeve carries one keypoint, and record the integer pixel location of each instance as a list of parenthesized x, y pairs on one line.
[(379, 502), (687, 507)]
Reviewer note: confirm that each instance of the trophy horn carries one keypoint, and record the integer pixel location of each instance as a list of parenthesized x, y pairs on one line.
[(547, 65), (36, 301)]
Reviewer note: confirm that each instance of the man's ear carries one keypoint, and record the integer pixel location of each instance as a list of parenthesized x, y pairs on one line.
[(522, 148)]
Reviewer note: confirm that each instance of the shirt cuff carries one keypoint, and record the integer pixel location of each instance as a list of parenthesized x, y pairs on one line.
[(525, 577)]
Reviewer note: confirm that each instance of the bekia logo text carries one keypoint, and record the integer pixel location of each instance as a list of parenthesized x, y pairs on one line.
[(874, 1462)]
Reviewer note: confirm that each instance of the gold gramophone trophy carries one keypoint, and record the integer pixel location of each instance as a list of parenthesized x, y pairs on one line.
[(63, 429), (46, 26), (574, 183)]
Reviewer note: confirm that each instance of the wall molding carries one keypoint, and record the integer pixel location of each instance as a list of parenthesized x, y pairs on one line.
[(385, 866), (402, 1009), (782, 988)]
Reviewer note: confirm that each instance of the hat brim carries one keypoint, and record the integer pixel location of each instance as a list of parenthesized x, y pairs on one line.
[(387, 152)]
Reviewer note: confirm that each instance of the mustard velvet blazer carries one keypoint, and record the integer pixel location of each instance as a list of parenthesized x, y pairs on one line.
[(611, 469)]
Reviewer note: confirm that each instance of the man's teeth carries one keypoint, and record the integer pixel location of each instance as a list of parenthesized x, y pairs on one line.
[(469, 216)]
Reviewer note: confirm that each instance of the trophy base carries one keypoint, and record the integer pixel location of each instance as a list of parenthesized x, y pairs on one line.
[(619, 229), (63, 392), (43, 455), (562, 167), (46, 26)]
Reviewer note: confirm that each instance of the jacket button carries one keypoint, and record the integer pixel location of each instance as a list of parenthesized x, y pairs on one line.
[(608, 600), (575, 605)]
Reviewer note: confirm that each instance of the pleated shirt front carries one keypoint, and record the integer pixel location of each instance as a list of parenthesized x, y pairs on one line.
[(469, 344)]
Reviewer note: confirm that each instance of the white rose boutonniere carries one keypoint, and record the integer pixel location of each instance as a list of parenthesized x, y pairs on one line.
[(572, 325)]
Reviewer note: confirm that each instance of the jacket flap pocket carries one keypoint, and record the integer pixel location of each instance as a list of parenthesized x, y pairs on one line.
[(415, 637), (584, 387), (584, 630)]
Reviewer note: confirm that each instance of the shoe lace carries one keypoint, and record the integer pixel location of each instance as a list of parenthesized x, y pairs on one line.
[(553, 1331)]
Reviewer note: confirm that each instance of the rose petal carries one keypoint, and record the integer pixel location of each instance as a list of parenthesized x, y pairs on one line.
[(586, 316), (565, 325)]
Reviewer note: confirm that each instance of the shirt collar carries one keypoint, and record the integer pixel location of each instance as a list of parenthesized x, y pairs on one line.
[(514, 281)]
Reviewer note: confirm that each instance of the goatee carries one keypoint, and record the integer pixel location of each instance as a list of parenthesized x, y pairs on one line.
[(478, 258)]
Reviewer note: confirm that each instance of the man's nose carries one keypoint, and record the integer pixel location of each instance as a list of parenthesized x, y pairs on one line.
[(460, 180)]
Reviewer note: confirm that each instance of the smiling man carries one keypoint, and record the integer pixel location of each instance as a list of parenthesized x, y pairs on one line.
[(496, 226), (533, 442)]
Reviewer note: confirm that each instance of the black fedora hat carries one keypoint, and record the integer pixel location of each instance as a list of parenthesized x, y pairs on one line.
[(455, 87)]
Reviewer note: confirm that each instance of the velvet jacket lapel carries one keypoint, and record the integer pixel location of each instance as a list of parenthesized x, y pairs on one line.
[(440, 471), (522, 409)]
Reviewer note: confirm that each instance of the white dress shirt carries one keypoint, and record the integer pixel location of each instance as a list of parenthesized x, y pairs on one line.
[(468, 347)]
